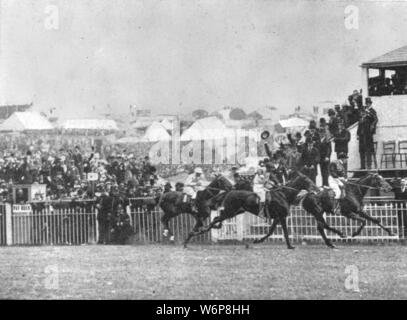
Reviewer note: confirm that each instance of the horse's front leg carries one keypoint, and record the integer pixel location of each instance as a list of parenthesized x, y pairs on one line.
[(329, 228), (321, 225), (283, 220), (375, 221), (165, 222), (193, 233), (362, 221), (195, 230), (272, 228)]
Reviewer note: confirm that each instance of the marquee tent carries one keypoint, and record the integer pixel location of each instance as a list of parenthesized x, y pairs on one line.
[(156, 132), (211, 128), (293, 122), (26, 121)]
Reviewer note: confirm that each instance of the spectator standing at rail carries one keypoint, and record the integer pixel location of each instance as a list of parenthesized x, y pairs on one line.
[(342, 138), (356, 100), (78, 159), (278, 170), (366, 130), (105, 215), (309, 159), (325, 151), (333, 122), (313, 133)]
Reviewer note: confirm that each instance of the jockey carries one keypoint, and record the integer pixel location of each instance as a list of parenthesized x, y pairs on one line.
[(231, 176), (259, 182), (337, 176), (195, 182)]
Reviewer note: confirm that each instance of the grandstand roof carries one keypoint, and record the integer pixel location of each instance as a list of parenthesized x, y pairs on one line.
[(395, 58)]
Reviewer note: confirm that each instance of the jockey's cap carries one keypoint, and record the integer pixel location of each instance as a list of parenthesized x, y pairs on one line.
[(198, 170)]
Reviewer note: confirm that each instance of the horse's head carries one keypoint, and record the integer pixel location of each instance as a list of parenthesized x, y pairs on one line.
[(302, 182), (221, 183), (375, 180)]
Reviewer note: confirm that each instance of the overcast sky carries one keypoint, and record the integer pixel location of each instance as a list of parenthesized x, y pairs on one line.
[(176, 56)]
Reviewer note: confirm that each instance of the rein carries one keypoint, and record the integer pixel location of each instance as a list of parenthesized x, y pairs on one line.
[(365, 186)]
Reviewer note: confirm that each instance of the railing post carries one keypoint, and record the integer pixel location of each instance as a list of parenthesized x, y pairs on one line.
[(214, 232), (9, 225), (240, 226), (97, 225)]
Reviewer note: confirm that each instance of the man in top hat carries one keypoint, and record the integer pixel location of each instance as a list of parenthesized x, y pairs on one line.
[(365, 132), (309, 159), (372, 115), (341, 139), (356, 100), (325, 151), (333, 122), (278, 173)]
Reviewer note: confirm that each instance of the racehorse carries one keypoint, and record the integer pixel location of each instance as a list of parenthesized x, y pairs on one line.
[(172, 203), (351, 206), (278, 206)]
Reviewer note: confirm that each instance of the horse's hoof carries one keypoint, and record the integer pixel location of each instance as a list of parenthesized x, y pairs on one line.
[(332, 246), (247, 246), (291, 247)]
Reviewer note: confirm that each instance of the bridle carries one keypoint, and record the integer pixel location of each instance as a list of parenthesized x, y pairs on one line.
[(365, 186)]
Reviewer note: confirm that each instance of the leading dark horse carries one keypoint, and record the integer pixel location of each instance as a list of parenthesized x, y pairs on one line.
[(278, 206), (172, 203), (351, 206)]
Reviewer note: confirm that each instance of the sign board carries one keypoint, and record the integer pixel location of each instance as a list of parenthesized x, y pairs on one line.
[(93, 176), (22, 209)]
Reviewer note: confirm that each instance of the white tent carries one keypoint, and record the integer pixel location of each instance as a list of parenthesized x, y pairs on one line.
[(167, 124), (294, 122), (210, 128), (90, 124), (156, 132), (26, 121)]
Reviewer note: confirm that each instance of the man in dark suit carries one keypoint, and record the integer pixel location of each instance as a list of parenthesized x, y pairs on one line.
[(372, 115), (310, 158), (325, 151), (356, 100), (366, 130), (342, 139)]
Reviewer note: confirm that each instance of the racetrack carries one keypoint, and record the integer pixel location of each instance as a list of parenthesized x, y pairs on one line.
[(202, 272)]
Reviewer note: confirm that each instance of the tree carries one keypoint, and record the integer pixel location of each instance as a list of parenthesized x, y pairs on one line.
[(255, 115), (200, 113), (237, 114)]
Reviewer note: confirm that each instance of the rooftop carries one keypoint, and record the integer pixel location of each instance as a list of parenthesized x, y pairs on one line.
[(395, 58)]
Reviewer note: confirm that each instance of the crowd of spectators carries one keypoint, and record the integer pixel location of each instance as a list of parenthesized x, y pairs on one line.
[(314, 148), (396, 84)]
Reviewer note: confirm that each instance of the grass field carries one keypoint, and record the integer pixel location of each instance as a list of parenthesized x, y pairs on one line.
[(202, 272)]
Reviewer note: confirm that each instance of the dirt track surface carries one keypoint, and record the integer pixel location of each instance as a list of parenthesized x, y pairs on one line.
[(203, 272)]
